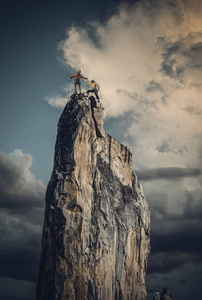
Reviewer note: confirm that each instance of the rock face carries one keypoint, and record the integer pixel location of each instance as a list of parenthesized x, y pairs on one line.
[(96, 237)]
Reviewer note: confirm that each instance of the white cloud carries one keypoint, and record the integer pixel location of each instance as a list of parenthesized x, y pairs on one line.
[(57, 101), (20, 192), (22, 163), (146, 60), (126, 52)]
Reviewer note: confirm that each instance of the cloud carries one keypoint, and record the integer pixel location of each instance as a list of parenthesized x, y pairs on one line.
[(199, 149), (146, 58), (193, 205), (154, 86), (176, 280), (135, 47), (168, 173), (21, 216), (57, 101), (18, 187), (171, 252), (192, 110), (176, 222), (165, 147), (176, 248), (182, 57), (21, 289), (165, 262)]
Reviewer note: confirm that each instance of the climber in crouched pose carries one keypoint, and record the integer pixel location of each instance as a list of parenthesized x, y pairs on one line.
[(95, 88)]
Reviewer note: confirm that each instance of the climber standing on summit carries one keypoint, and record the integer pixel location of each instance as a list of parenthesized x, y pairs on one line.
[(95, 88), (77, 77)]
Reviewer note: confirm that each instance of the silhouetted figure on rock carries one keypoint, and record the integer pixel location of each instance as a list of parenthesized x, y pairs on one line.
[(166, 295), (77, 77), (156, 296)]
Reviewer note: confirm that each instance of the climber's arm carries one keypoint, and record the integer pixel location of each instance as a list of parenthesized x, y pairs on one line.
[(72, 76)]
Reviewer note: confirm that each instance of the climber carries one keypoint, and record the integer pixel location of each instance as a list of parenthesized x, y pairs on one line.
[(77, 77), (95, 88)]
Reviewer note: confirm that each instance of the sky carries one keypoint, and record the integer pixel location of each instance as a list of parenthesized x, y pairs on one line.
[(146, 56)]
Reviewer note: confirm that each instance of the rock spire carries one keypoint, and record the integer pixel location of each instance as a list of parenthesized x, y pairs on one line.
[(96, 236)]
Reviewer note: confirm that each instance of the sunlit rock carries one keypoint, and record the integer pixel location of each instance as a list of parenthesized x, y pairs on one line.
[(96, 237)]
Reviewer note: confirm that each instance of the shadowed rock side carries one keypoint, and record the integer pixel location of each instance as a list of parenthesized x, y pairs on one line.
[(95, 242)]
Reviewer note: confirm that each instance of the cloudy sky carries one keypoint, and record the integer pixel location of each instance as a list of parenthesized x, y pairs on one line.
[(147, 57)]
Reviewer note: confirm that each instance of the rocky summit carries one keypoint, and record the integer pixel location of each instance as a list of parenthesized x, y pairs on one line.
[(96, 236)]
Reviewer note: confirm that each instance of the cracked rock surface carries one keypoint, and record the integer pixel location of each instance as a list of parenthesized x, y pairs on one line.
[(96, 236)]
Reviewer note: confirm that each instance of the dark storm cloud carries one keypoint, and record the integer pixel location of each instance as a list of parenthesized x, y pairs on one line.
[(183, 281), (168, 173), (175, 235), (193, 205), (191, 210), (192, 110), (21, 218), (22, 264), (175, 249), (167, 261), (182, 55), (8, 297)]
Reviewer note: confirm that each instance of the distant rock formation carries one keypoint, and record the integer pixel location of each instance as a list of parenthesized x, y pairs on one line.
[(96, 237)]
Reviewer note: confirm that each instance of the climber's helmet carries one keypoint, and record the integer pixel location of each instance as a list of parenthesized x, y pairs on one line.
[(92, 80), (79, 71)]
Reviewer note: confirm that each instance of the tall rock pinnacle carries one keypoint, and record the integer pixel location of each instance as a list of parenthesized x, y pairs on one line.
[(96, 237)]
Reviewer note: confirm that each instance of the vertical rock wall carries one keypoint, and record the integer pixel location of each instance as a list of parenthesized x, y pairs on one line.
[(95, 242)]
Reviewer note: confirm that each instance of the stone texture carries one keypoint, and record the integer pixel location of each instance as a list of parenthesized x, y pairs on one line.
[(96, 237)]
